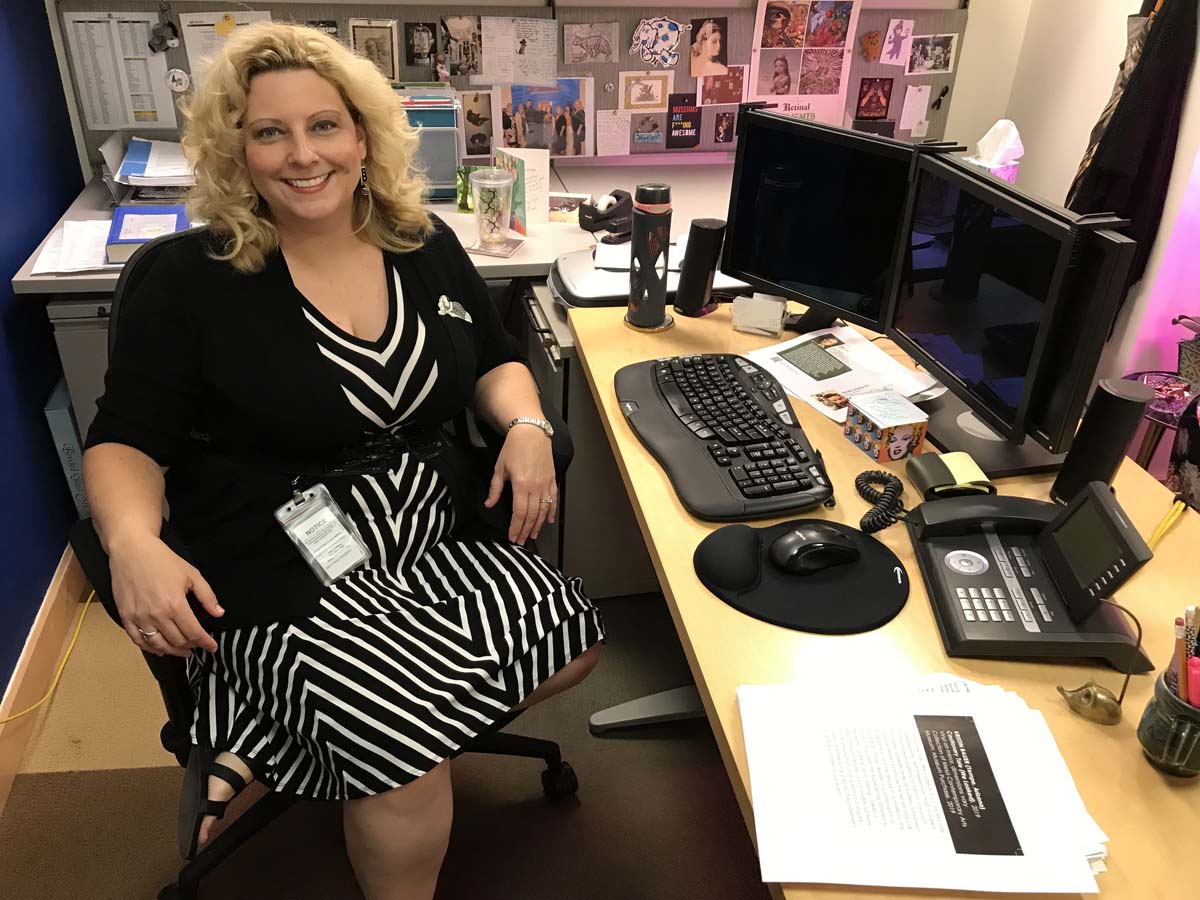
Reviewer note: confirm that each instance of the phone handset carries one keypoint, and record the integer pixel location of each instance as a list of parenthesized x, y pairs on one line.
[(967, 515)]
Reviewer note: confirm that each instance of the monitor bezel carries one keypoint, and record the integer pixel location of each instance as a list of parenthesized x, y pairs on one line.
[(855, 140), (1031, 212)]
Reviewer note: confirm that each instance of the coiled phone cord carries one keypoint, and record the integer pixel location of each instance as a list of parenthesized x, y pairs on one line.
[(888, 510)]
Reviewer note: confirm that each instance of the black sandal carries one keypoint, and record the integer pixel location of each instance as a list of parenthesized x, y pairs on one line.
[(194, 803)]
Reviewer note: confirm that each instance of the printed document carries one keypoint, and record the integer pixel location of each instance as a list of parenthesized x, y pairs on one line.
[(204, 35), (121, 83), (76, 247), (825, 368), (929, 791), (524, 51)]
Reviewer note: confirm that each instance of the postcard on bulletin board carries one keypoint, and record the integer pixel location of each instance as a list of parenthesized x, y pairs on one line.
[(555, 117), (801, 56)]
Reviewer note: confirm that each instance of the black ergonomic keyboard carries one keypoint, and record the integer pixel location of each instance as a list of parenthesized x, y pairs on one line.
[(726, 434)]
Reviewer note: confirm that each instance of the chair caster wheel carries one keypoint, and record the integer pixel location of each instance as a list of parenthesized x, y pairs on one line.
[(560, 783)]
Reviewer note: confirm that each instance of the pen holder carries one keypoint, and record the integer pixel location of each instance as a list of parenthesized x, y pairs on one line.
[(1170, 733)]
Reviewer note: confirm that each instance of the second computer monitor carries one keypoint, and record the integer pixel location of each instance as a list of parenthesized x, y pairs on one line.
[(816, 214)]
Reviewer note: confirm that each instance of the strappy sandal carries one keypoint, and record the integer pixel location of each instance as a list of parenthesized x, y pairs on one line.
[(194, 803)]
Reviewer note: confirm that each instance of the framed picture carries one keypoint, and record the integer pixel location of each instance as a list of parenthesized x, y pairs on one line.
[(420, 41), (874, 98), (378, 40), (646, 91), (932, 54)]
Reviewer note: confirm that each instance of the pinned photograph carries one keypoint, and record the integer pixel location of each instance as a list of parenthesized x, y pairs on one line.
[(648, 129), (828, 23), (590, 42), (646, 91), (821, 72), (898, 44), (546, 117), (783, 24), (709, 55), (874, 97), (462, 44), (727, 88), (723, 130), (932, 54), (420, 40), (377, 40), (477, 122), (657, 40), (779, 72)]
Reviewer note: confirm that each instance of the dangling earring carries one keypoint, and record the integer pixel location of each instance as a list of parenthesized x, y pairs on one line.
[(366, 191)]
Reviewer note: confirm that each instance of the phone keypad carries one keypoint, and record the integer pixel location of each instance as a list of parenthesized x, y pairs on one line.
[(989, 604)]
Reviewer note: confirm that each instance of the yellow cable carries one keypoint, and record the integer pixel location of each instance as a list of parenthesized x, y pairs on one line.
[(62, 665), (1164, 526)]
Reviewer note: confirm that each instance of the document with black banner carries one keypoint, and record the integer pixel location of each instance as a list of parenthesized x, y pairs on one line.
[(909, 789)]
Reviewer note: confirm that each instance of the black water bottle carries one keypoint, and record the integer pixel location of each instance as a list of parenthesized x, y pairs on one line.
[(649, 258)]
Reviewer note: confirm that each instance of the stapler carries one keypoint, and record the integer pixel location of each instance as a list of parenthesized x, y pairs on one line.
[(612, 213)]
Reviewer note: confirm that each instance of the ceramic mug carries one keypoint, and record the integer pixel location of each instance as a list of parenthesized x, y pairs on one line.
[(1170, 733)]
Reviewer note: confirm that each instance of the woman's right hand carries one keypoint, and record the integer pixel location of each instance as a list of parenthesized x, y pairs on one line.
[(150, 586)]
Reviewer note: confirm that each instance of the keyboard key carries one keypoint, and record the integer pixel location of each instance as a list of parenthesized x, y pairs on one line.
[(786, 487), (995, 615), (739, 473), (975, 592), (964, 602), (705, 434), (987, 592), (1026, 615), (723, 460), (756, 490), (760, 481)]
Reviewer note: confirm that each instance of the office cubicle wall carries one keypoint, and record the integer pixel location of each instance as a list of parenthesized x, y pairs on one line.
[(741, 26)]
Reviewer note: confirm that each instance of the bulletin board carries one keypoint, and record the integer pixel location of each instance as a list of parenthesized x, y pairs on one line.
[(339, 13), (926, 22), (603, 60)]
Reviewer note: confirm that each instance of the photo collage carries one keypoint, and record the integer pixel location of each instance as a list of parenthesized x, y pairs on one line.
[(663, 82), (801, 47)]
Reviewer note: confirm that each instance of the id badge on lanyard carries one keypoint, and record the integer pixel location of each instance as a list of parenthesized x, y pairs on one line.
[(323, 533)]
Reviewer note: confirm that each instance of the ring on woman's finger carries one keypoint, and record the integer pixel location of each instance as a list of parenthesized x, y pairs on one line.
[(546, 500), (147, 634)]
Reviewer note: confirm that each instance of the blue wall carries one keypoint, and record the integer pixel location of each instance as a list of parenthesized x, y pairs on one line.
[(39, 177)]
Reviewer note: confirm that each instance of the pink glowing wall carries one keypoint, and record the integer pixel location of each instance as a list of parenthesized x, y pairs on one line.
[(1176, 289)]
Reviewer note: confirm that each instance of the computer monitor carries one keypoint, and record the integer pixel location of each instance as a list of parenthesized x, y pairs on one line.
[(816, 214), (1006, 300)]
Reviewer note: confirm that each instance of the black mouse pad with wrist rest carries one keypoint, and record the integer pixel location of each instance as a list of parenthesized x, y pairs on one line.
[(734, 563)]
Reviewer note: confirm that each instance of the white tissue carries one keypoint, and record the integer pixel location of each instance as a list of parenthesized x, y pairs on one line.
[(999, 151), (1000, 146)]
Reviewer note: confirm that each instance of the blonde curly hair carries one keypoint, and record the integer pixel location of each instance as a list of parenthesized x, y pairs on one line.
[(390, 216)]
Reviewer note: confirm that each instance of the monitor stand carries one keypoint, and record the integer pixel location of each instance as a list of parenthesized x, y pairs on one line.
[(812, 319), (952, 426)]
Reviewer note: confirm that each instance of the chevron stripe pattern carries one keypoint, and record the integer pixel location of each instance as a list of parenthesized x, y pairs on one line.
[(411, 657)]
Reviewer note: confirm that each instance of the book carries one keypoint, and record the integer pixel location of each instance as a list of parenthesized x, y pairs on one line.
[(531, 190), (65, 433), (132, 226)]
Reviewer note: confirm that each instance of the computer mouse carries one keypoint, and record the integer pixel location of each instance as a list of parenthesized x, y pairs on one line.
[(812, 547)]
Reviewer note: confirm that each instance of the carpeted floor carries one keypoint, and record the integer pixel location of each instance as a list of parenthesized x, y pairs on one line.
[(654, 818)]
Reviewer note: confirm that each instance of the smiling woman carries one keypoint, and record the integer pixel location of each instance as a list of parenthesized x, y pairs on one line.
[(223, 136), (293, 366)]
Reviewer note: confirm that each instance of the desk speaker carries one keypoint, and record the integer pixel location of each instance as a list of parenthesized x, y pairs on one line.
[(694, 292), (1108, 426)]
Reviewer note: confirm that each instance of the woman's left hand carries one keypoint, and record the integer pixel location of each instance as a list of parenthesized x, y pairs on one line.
[(527, 463)]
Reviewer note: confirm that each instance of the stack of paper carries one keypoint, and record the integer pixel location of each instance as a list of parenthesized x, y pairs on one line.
[(76, 247), (943, 784), (159, 163)]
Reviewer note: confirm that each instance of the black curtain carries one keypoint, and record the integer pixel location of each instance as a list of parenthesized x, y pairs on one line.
[(1131, 167)]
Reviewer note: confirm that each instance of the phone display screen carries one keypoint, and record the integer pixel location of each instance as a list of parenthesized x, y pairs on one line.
[(1086, 543)]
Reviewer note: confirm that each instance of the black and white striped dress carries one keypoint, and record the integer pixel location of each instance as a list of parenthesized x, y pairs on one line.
[(409, 658)]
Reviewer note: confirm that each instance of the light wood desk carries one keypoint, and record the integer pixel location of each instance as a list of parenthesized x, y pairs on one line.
[(1153, 821)]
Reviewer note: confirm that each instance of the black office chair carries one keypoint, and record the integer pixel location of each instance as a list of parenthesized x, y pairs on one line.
[(558, 780)]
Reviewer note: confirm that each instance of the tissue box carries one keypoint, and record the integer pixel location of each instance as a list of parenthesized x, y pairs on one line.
[(1006, 172), (885, 425)]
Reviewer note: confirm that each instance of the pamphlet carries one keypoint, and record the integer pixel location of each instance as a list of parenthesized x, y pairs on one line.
[(825, 368), (940, 790)]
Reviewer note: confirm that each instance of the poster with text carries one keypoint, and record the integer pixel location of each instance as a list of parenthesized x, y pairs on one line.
[(683, 122), (800, 60)]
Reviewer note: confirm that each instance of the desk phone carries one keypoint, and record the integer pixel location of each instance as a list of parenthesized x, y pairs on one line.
[(1012, 577)]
